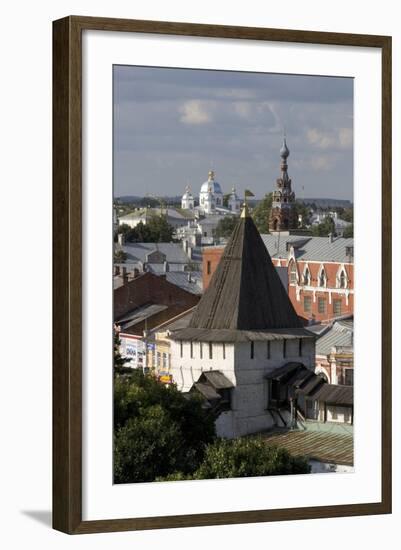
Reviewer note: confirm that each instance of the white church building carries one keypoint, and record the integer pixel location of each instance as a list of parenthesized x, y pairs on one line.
[(211, 199)]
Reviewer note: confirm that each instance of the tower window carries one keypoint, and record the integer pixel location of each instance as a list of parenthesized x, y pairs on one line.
[(343, 281), (224, 350), (209, 267), (268, 352), (201, 350), (181, 348), (192, 349), (210, 350), (321, 305), (252, 350)]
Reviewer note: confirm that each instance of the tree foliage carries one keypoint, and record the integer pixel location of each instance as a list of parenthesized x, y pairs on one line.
[(325, 228), (225, 227), (245, 457), (261, 213), (156, 230), (157, 424), (349, 231)]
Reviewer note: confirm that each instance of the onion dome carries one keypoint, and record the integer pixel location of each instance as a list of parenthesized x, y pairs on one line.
[(211, 184), (284, 151)]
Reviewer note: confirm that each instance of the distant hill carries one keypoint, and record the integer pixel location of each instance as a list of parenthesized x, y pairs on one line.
[(327, 203)]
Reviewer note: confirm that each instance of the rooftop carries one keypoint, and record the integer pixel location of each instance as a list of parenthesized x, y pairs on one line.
[(322, 446), (340, 334), (245, 292)]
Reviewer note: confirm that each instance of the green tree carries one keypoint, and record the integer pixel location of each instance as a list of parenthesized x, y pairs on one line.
[(119, 256), (143, 407), (347, 215), (261, 213), (300, 209), (156, 230), (244, 457), (325, 228), (119, 361), (225, 227), (349, 231)]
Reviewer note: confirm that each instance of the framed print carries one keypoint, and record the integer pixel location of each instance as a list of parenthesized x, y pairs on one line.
[(222, 275)]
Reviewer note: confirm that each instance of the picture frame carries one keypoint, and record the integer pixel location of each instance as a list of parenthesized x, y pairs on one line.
[(67, 273)]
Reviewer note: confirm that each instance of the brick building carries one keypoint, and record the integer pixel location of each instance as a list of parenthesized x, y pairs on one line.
[(140, 305), (320, 272)]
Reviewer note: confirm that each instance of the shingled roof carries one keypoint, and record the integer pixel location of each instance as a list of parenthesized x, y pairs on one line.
[(245, 292)]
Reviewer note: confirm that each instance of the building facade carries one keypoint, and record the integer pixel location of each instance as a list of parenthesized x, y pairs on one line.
[(320, 273)]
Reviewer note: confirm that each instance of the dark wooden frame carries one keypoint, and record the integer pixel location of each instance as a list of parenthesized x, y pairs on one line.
[(67, 314)]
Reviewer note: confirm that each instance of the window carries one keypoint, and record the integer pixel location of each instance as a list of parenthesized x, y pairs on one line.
[(284, 348), (268, 349), (306, 277), (343, 280), (321, 305), (307, 304), (154, 359), (337, 307), (181, 348), (349, 377), (224, 350), (210, 350), (201, 350), (159, 358), (293, 273), (334, 414), (322, 279), (209, 264), (164, 360), (252, 350), (191, 350)]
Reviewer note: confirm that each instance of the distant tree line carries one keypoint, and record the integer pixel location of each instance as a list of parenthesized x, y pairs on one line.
[(156, 230)]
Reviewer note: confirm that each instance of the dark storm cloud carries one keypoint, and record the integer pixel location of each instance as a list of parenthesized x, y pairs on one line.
[(171, 125)]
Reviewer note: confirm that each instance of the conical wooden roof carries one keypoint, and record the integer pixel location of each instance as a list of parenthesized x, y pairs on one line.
[(245, 292)]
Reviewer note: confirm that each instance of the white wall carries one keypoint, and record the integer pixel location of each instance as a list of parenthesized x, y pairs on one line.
[(26, 188), (249, 398)]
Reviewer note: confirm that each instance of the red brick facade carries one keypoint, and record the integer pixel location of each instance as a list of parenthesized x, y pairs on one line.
[(148, 288), (314, 298)]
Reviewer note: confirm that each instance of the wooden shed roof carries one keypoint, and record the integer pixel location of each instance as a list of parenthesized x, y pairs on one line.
[(245, 292)]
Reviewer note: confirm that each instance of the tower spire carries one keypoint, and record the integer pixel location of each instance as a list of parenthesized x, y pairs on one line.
[(282, 211)]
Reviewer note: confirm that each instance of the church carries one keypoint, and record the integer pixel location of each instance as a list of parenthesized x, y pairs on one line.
[(243, 331), (211, 199)]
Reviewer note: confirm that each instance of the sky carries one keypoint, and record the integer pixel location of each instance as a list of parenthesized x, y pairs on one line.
[(171, 126)]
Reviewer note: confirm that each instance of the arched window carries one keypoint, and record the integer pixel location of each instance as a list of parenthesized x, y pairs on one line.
[(306, 276), (292, 273), (322, 278), (342, 278)]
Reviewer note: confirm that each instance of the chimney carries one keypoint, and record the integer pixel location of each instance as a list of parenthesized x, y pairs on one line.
[(330, 238), (189, 277), (166, 267), (124, 275), (121, 239)]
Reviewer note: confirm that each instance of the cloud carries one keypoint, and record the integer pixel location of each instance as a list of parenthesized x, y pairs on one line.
[(341, 138), (195, 112)]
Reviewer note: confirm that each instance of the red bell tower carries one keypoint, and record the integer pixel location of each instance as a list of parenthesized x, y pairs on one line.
[(282, 215)]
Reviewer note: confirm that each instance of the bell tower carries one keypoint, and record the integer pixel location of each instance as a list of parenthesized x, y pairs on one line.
[(282, 215)]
